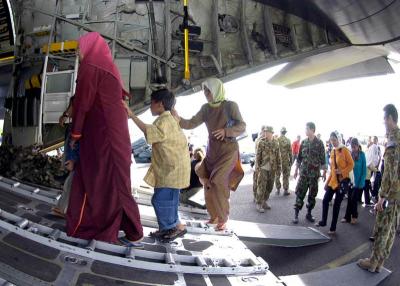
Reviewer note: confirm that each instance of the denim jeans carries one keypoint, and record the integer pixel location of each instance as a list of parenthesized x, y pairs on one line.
[(165, 202)]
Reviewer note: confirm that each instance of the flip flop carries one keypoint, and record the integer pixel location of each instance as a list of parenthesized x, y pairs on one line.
[(58, 212), (221, 226), (126, 242), (212, 221)]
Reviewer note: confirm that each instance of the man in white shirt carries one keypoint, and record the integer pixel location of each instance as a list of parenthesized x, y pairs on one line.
[(373, 161), (373, 155)]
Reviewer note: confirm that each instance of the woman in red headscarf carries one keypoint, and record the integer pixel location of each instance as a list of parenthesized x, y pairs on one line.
[(101, 202)]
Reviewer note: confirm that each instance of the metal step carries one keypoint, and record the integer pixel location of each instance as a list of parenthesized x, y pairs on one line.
[(51, 196), (349, 274), (200, 260), (267, 234), (277, 235), (29, 191), (5, 282)]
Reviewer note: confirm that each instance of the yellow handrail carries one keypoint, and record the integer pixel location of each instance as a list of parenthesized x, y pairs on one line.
[(186, 39)]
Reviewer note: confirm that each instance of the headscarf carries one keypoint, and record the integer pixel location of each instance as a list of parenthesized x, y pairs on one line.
[(95, 52), (339, 138), (355, 155), (217, 90)]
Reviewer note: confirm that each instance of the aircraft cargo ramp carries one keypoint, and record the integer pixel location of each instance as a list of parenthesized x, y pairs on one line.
[(34, 250)]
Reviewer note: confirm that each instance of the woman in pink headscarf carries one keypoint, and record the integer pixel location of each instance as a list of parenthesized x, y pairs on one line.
[(101, 202)]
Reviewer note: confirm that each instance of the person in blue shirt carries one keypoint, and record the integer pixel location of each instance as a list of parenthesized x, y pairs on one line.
[(360, 172), (71, 157)]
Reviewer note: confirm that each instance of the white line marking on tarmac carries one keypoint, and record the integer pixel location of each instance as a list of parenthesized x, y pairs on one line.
[(345, 258)]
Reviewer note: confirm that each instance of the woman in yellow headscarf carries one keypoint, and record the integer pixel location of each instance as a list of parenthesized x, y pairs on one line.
[(220, 170)]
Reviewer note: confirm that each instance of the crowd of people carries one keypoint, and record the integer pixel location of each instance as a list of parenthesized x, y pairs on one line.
[(97, 200), (349, 172)]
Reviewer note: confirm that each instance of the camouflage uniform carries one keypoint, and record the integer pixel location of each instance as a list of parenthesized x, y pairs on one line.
[(310, 161), (285, 148), (387, 221), (256, 171), (268, 162)]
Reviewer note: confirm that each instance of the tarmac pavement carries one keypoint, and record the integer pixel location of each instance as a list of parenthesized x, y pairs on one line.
[(348, 245)]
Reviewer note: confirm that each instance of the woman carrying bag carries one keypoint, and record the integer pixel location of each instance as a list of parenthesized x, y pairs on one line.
[(220, 170), (360, 172), (338, 182)]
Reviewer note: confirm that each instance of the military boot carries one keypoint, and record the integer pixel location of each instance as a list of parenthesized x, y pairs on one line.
[(296, 216), (286, 193), (379, 266), (266, 206), (369, 265), (309, 216), (278, 192)]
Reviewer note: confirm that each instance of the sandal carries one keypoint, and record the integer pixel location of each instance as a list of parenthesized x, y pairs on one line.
[(128, 243), (212, 221), (173, 234), (221, 226), (157, 233), (57, 212)]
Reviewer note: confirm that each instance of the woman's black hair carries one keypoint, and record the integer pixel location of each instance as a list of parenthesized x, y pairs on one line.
[(354, 142), (165, 96), (333, 134)]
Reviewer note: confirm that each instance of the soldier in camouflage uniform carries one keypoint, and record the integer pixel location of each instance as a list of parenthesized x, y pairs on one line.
[(310, 161), (285, 147), (268, 162), (388, 216), (256, 171)]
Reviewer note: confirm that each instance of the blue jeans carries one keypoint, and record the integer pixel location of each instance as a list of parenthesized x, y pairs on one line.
[(165, 202)]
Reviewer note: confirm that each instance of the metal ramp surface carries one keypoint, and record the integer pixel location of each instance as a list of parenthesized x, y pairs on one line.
[(277, 235), (34, 250), (35, 254), (267, 234), (51, 195), (346, 275)]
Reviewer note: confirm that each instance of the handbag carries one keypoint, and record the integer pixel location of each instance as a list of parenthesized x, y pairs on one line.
[(232, 122)]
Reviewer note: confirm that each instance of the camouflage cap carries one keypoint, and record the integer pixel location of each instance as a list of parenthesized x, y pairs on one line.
[(263, 128), (269, 129), (283, 130)]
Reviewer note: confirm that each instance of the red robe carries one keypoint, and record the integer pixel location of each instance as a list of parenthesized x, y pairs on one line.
[(101, 202)]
